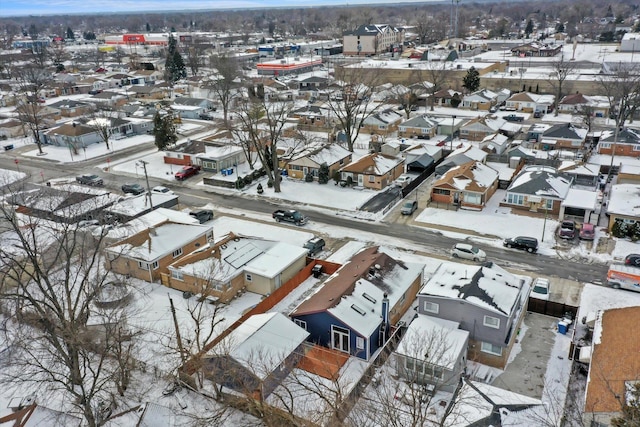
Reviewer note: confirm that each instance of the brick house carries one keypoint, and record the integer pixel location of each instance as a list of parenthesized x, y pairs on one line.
[(420, 126), (375, 171), (382, 122), (627, 143), (148, 253), (334, 155), (538, 189), (469, 185)]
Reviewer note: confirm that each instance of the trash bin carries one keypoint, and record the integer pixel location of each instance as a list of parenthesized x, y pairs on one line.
[(562, 327), (230, 171), (224, 172), (316, 270)]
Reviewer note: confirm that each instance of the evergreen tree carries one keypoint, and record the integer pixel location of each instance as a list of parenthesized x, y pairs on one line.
[(471, 81), (148, 28), (164, 131), (308, 177), (174, 68), (323, 174), (529, 28), (70, 35)]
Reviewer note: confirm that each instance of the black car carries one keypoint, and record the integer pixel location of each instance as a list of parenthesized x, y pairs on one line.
[(133, 189), (202, 215), (632, 260), (93, 180), (314, 245), (529, 244)]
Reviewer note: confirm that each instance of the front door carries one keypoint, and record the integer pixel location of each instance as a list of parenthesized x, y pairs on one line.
[(340, 338), (360, 180)]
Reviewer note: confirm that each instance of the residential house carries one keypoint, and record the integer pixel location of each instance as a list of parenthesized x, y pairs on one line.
[(563, 136), (585, 175), (192, 108), (530, 155), (432, 353), (536, 49), (628, 174), (530, 102), (480, 100), (579, 204), (461, 156), (538, 188), (354, 309), (220, 155), (375, 171), (623, 204), (487, 301), (614, 366), (413, 152), (234, 263), (147, 254), (422, 126), (577, 103), (382, 122), (534, 134), (129, 208), (313, 83), (469, 186), (496, 143), (146, 77), (72, 108), (446, 97), (626, 143), (111, 99), (66, 204), (372, 39), (11, 128), (314, 117), (257, 355), (147, 92), (185, 153), (73, 135), (309, 161), (480, 127)]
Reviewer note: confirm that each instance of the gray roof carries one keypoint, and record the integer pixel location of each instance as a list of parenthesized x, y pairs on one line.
[(563, 130), (625, 136), (420, 122), (541, 181), (193, 102), (369, 30)]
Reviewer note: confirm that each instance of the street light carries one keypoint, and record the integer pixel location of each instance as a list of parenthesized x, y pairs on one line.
[(146, 177)]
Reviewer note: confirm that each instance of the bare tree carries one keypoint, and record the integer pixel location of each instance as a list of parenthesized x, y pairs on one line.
[(352, 102), (561, 70), (436, 76), (100, 122), (65, 340), (31, 80), (225, 83)]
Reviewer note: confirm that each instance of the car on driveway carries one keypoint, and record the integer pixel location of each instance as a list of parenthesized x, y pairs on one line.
[(162, 190), (540, 289), (135, 189), (409, 207), (529, 244), (186, 172), (93, 180), (314, 245), (467, 251), (567, 229), (632, 260), (587, 231), (402, 181), (203, 215)]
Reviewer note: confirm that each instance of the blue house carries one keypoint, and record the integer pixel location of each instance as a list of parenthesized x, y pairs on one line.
[(356, 307)]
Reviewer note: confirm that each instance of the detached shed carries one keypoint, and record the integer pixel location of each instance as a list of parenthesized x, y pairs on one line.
[(422, 163)]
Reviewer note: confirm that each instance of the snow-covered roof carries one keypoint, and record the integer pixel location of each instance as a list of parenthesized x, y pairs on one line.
[(623, 200), (151, 219), (489, 286), (131, 206), (275, 259), (582, 199), (434, 340), (541, 181), (161, 240), (262, 342)]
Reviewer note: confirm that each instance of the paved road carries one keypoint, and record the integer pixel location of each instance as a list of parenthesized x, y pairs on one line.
[(433, 242)]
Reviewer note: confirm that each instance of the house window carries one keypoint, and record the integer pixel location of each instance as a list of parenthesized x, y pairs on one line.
[(515, 199), (177, 253), (547, 204), (605, 145), (295, 167), (576, 143), (487, 347), (441, 191), (177, 274), (402, 298), (409, 363), (382, 127), (473, 198), (636, 148), (248, 277), (372, 178), (431, 307), (340, 338), (491, 322), (143, 265), (155, 265), (300, 323), (360, 343)]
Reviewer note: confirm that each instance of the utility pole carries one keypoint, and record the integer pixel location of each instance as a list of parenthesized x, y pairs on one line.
[(146, 177), (178, 338)]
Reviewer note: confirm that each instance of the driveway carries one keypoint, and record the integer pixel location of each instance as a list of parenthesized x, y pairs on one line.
[(382, 199)]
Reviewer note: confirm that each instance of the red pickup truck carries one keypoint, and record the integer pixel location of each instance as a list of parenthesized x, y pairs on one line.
[(186, 172)]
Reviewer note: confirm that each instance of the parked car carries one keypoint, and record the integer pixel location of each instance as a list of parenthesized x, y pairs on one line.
[(587, 231), (162, 190), (538, 114), (529, 244), (467, 251), (93, 180), (186, 172), (314, 245), (135, 189), (633, 260), (402, 181), (540, 289), (567, 229), (514, 118), (409, 207), (202, 215)]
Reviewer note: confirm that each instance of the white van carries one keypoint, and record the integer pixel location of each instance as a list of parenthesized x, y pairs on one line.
[(622, 276)]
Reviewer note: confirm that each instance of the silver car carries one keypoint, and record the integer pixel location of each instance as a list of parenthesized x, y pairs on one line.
[(467, 251)]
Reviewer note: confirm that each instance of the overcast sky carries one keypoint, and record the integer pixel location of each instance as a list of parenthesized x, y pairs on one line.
[(64, 7)]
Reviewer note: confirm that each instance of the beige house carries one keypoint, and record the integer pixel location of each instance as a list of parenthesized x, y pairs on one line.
[(235, 263), (147, 254), (375, 171), (333, 155)]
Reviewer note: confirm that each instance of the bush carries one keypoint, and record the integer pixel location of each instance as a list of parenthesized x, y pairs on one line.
[(323, 174), (349, 181), (270, 183), (247, 179), (308, 177), (619, 229), (336, 177), (239, 183), (255, 174)]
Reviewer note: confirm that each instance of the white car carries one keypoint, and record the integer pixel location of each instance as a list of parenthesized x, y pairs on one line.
[(467, 251), (162, 190), (402, 181), (540, 289)]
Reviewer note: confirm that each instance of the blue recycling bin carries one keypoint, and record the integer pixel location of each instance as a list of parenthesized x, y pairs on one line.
[(230, 171), (563, 327), (224, 172)]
